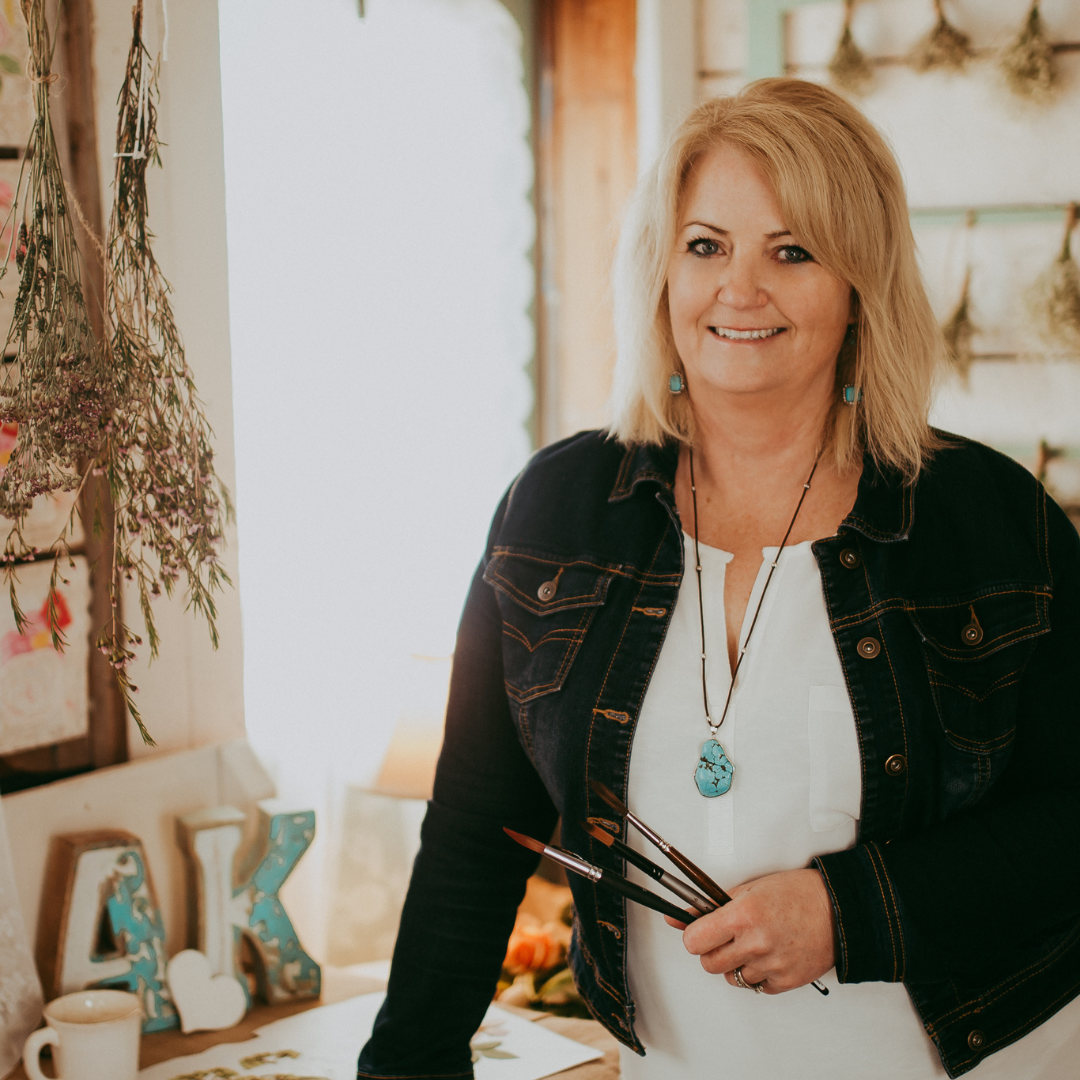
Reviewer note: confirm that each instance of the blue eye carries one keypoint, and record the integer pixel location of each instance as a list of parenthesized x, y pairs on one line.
[(791, 253), (704, 247)]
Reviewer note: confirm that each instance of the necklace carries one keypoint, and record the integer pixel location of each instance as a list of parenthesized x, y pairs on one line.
[(715, 770)]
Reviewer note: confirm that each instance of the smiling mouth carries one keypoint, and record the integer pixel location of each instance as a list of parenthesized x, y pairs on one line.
[(746, 335)]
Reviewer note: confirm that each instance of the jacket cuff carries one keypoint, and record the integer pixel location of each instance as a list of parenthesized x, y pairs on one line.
[(871, 937)]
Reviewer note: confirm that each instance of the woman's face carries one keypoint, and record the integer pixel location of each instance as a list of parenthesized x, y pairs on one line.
[(751, 310)]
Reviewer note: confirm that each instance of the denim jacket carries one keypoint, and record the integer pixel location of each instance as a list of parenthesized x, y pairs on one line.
[(955, 606)]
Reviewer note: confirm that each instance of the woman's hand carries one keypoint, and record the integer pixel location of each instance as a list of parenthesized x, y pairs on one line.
[(778, 929)]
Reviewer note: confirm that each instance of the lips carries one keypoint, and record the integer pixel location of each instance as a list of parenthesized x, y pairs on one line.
[(728, 334)]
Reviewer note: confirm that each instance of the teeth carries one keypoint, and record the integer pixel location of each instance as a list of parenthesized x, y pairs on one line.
[(745, 335)]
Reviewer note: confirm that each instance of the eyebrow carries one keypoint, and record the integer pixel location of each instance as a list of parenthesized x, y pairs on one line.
[(724, 232)]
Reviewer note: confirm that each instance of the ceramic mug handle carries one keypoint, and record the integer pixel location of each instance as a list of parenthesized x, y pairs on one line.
[(32, 1051)]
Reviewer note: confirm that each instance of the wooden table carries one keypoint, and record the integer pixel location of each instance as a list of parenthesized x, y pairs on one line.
[(169, 1044)]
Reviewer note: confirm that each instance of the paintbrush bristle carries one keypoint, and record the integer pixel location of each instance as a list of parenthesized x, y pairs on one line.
[(609, 797), (598, 834), (525, 841)]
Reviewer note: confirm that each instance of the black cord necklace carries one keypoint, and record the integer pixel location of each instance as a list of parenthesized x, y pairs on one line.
[(715, 771)]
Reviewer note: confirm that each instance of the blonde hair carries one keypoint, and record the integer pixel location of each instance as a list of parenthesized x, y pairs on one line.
[(840, 191)]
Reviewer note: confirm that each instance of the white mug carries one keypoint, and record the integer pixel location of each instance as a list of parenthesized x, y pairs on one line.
[(96, 1035)]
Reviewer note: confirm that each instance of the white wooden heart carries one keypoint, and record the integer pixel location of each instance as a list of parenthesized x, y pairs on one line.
[(205, 1002)]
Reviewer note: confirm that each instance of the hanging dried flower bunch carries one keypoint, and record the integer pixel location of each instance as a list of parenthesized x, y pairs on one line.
[(125, 408), (1028, 63), (944, 47), (958, 330), (57, 390), (171, 507), (849, 69), (1056, 297)]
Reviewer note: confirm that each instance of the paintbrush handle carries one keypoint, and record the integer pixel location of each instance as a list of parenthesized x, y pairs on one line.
[(699, 877), (658, 873), (644, 897)]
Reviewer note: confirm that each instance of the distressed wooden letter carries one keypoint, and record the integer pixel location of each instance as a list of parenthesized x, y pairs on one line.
[(100, 924), (226, 904)]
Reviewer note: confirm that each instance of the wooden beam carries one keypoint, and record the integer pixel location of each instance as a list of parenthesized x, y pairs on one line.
[(108, 716), (586, 169)]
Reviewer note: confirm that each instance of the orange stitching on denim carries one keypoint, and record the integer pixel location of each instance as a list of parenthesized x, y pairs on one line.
[(839, 917), (614, 714), (626, 762), (600, 980), (610, 926), (655, 612), (885, 905), (615, 568), (1009, 984), (896, 907), (880, 607), (566, 634), (999, 683), (606, 824)]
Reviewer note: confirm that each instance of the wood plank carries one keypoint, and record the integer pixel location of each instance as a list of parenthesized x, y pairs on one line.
[(587, 149), (108, 715)]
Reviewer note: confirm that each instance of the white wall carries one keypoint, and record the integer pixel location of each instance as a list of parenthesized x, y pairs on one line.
[(962, 140)]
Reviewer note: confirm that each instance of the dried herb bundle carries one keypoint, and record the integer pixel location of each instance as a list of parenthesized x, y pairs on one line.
[(170, 505), (1028, 63), (944, 47), (958, 331), (849, 69), (57, 389), (1056, 297)]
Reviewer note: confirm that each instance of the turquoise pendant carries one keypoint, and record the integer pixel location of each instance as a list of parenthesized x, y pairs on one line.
[(714, 771)]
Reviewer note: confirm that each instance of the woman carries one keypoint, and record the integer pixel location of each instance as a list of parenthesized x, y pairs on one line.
[(891, 775)]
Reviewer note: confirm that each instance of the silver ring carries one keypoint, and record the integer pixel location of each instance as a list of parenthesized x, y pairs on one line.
[(758, 988)]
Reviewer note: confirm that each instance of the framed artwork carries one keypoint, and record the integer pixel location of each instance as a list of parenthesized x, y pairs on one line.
[(43, 692)]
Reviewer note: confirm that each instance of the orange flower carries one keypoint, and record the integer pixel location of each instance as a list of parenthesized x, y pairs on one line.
[(532, 947)]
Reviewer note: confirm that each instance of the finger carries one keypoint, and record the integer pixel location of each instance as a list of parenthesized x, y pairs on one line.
[(709, 932), (674, 922)]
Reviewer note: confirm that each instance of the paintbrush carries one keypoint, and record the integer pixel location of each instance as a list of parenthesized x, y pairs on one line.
[(607, 878), (646, 865), (694, 873)]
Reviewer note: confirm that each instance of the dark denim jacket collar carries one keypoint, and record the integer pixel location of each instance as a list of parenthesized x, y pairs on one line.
[(883, 509)]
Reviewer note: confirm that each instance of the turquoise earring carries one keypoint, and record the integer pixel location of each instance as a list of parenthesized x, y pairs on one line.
[(675, 383), (852, 395)]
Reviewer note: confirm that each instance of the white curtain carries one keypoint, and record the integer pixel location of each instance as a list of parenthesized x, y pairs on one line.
[(379, 229)]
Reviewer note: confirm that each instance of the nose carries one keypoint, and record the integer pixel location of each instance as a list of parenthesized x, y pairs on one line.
[(739, 287)]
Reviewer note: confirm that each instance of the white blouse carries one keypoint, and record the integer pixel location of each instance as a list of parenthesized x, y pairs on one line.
[(796, 793)]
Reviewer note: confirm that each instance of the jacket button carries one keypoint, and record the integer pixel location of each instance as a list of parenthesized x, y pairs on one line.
[(849, 557), (546, 591), (896, 765), (976, 1040), (972, 634), (868, 648)]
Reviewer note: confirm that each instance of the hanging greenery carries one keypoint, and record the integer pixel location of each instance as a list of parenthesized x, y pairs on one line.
[(56, 389), (1056, 297), (171, 507), (125, 408), (958, 330), (849, 69), (944, 47), (1028, 63)]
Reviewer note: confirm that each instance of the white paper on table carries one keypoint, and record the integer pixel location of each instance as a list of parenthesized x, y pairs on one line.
[(329, 1039)]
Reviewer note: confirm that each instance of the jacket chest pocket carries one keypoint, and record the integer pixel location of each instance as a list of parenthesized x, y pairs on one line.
[(976, 649), (546, 607)]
